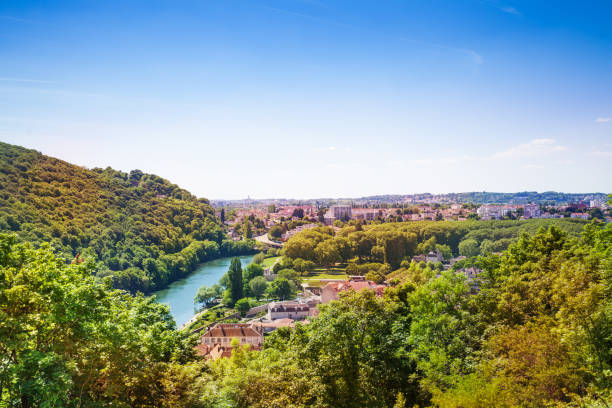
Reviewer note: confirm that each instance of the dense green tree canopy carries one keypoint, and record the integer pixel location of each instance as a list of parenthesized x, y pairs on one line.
[(393, 242), (67, 340), (145, 231), (281, 289)]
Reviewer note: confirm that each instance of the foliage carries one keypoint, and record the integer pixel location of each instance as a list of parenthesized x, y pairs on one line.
[(536, 334), (144, 231), (207, 295), (251, 271), (469, 247), (447, 253), (68, 340), (290, 275), (258, 258), (258, 286), (281, 289), (391, 243), (243, 306), (234, 281), (303, 266), (275, 233)]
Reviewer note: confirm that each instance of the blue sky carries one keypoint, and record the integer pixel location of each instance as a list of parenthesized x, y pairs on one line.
[(316, 98)]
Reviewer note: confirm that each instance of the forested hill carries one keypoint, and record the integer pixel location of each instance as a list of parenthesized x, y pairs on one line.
[(144, 230)]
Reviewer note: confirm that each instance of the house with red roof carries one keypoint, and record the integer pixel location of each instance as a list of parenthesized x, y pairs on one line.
[(223, 333)]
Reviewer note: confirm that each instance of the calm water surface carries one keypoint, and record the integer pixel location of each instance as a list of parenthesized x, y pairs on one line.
[(179, 295)]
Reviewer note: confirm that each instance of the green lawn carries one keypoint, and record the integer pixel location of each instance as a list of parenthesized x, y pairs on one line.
[(314, 277), (269, 261)]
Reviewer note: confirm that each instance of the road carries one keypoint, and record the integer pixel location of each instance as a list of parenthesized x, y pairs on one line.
[(265, 240)]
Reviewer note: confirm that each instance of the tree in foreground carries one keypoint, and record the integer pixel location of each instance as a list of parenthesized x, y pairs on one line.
[(67, 340), (352, 355)]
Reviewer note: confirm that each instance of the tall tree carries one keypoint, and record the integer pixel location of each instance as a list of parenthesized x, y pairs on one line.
[(248, 229), (235, 281)]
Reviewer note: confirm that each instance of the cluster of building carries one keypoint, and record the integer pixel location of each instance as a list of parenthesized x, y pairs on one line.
[(492, 211), (270, 218), (425, 212), (422, 212), (579, 210), (219, 339)]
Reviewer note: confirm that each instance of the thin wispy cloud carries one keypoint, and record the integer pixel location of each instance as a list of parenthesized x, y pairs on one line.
[(310, 17), (510, 10), (477, 58), (474, 56), (600, 153), (325, 149), (504, 8), (603, 119), (535, 147), (533, 166)]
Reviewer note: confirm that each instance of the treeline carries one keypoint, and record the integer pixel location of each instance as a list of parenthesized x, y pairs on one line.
[(144, 231), (391, 243), (156, 273)]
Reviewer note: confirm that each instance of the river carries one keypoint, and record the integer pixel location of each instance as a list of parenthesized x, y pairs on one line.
[(179, 294)]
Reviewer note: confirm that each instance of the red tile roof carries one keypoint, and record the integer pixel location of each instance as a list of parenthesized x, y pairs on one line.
[(232, 330)]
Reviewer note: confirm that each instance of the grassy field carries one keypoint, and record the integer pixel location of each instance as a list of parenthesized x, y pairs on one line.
[(268, 262), (314, 277)]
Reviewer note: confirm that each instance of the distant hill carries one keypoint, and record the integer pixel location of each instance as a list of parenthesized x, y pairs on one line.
[(145, 231), (474, 197)]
